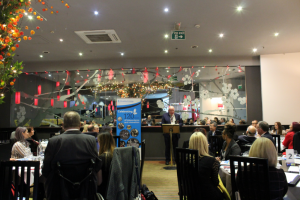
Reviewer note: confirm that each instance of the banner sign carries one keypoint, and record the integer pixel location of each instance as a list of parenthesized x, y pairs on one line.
[(129, 121)]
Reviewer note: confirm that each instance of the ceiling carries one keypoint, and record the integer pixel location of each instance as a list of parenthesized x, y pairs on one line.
[(141, 26)]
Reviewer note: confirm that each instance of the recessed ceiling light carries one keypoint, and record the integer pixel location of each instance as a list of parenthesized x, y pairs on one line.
[(166, 51), (167, 70), (96, 13), (210, 50), (166, 10), (276, 34), (29, 17), (41, 56), (166, 36), (221, 35), (254, 50), (78, 73), (64, 79), (240, 8), (49, 75), (122, 54), (61, 40), (80, 54)]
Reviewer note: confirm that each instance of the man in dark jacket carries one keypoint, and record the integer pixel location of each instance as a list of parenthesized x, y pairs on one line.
[(70, 148), (262, 130), (249, 138), (171, 118), (213, 131)]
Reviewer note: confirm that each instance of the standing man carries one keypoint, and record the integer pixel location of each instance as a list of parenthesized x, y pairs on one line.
[(171, 118), (70, 148)]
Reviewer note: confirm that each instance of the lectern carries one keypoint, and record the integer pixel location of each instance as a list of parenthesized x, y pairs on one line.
[(171, 128)]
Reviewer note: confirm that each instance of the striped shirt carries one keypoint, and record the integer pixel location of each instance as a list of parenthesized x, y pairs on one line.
[(21, 149)]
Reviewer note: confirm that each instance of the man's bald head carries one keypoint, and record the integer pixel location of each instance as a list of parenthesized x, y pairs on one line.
[(251, 130), (171, 110)]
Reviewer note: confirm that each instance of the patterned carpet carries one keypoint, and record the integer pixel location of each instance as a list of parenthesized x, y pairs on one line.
[(162, 182)]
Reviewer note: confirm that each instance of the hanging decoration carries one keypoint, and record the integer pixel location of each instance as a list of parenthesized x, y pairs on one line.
[(145, 74), (110, 74), (187, 79), (184, 115), (147, 104), (58, 97), (68, 92), (39, 89), (65, 104), (133, 71), (160, 104), (17, 98), (57, 84), (52, 102), (36, 102), (242, 100)]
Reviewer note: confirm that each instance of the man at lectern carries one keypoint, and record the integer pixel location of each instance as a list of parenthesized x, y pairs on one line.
[(171, 118)]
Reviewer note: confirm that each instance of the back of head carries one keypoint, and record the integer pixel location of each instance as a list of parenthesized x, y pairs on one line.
[(263, 125), (71, 120), (202, 122), (90, 128), (107, 143), (229, 129), (198, 141), (85, 128), (296, 127), (19, 133), (251, 130), (264, 148), (29, 129), (106, 129)]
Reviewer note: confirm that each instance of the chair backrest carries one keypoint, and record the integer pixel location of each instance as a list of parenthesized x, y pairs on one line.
[(16, 178), (143, 159), (5, 151), (215, 144), (252, 178), (276, 139), (117, 140), (187, 173), (296, 142)]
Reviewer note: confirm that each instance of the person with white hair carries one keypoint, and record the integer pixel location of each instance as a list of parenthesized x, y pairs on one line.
[(171, 118)]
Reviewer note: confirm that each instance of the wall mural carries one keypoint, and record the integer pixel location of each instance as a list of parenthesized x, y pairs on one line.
[(93, 93)]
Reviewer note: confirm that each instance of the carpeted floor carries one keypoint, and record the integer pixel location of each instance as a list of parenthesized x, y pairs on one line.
[(162, 182)]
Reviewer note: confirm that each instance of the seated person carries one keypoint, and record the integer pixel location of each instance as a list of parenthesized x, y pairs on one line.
[(230, 147), (107, 146), (107, 129), (264, 148), (208, 122), (277, 129), (263, 131), (242, 121), (216, 120), (223, 121), (186, 143), (21, 148), (85, 128), (208, 168), (92, 131), (144, 123), (231, 121), (150, 120), (288, 140), (191, 122), (70, 148), (249, 138), (213, 131), (202, 122), (33, 143)]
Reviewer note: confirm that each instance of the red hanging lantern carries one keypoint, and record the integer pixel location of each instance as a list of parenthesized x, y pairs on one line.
[(17, 98), (147, 104), (65, 104), (52, 102), (145, 75), (111, 102), (184, 96), (96, 109), (36, 102), (57, 84), (113, 107), (68, 92), (39, 89), (108, 107), (58, 97), (75, 104), (110, 74)]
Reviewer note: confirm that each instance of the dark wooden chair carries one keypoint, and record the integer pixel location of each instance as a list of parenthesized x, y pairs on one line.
[(187, 170), (296, 142), (252, 178), (117, 140), (12, 176), (143, 159), (276, 139), (215, 145)]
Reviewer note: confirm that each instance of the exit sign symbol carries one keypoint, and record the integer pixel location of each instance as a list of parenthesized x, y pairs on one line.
[(178, 35)]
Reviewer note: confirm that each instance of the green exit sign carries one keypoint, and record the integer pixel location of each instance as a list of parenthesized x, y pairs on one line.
[(178, 35)]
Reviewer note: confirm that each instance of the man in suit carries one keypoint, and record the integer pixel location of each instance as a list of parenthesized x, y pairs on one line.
[(70, 148), (262, 130), (171, 118), (213, 132), (249, 138)]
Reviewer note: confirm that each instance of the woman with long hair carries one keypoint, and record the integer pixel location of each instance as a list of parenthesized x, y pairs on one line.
[(208, 168), (33, 143), (21, 148), (277, 128), (106, 150)]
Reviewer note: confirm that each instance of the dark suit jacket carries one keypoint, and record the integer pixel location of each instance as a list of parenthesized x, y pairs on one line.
[(209, 134), (70, 148), (232, 150), (166, 119), (244, 139), (94, 134), (269, 136)]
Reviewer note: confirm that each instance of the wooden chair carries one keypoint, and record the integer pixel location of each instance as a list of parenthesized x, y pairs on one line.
[(252, 178), (117, 140), (276, 139), (12, 176), (143, 159), (215, 145), (187, 170)]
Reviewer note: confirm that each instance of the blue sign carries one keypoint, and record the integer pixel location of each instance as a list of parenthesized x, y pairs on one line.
[(129, 121)]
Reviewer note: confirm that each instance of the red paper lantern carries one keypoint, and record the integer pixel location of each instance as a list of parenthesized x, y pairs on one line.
[(75, 104), (57, 84), (58, 97), (68, 92), (111, 102), (65, 104), (220, 105), (108, 107), (36, 102), (113, 107), (39, 89), (147, 104), (17, 98), (184, 96), (52, 102)]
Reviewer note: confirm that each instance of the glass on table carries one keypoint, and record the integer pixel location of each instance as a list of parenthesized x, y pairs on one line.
[(295, 152)]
